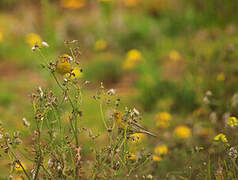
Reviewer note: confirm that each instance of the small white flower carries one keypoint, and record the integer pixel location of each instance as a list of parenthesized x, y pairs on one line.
[(25, 122), (70, 58), (208, 93), (45, 44), (58, 167), (1, 136), (33, 48), (206, 100), (33, 173), (111, 92)]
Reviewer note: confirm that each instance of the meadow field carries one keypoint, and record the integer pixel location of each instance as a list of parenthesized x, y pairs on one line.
[(118, 89)]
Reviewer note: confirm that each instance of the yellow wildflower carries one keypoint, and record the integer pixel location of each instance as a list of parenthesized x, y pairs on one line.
[(131, 3), (233, 122), (174, 55), (131, 156), (133, 57), (63, 65), (163, 119), (137, 137), (19, 168), (221, 77), (75, 74), (72, 4), (32, 39), (182, 132), (161, 150), (156, 158), (221, 137), (100, 45)]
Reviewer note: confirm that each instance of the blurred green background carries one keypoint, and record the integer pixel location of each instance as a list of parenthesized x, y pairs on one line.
[(159, 55)]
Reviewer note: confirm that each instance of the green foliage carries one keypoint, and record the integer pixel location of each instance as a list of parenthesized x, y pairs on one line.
[(109, 71)]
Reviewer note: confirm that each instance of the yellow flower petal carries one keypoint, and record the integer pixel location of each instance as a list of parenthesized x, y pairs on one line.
[(163, 119), (19, 168), (156, 158), (100, 45), (182, 132), (133, 57), (131, 156), (72, 4), (221, 137), (161, 150), (32, 39), (75, 74), (63, 65), (233, 122), (137, 137)]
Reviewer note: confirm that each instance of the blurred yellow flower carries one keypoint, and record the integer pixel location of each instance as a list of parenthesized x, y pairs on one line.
[(174, 55), (163, 119), (233, 122), (18, 167), (131, 156), (32, 39), (72, 4), (221, 137), (221, 77), (75, 74), (161, 150), (137, 137), (130, 3), (156, 158), (100, 45), (1, 36), (133, 57), (17, 178), (63, 65), (182, 132), (104, 0)]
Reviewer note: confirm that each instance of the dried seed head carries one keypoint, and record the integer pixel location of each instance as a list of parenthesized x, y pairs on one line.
[(18, 141), (86, 82), (136, 112), (50, 163), (233, 152)]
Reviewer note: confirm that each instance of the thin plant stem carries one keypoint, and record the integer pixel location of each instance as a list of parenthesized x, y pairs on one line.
[(18, 161), (48, 172), (102, 116), (234, 163)]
